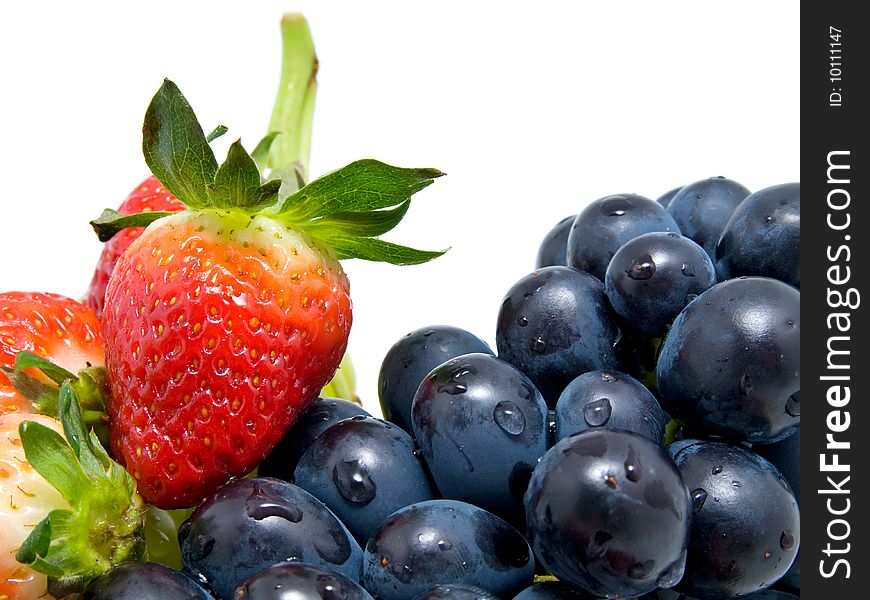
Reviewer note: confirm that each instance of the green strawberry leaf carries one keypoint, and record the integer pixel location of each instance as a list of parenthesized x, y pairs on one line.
[(54, 459), (26, 360), (216, 133), (37, 543), (77, 433), (261, 152), (354, 224), (42, 395), (111, 222), (381, 251), (361, 186), (237, 180), (175, 147)]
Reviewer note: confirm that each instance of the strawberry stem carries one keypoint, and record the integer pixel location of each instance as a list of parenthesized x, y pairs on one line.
[(293, 113)]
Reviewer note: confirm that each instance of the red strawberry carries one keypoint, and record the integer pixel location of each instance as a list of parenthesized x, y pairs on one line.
[(51, 326), (223, 322), (150, 195), (218, 331)]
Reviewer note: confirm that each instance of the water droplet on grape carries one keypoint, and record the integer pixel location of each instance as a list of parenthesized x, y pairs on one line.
[(616, 207), (787, 540), (597, 412), (539, 345), (354, 482), (509, 417), (643, 268), (641, 570), (452, 388), (262, 504), (687, 270), (522, 321), (745, 385), (330, 588), (632, 465), (699, 496), (674, 573), (793, 405)]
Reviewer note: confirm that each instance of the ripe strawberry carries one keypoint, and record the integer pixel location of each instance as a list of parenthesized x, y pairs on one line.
[(223, 322), (148, 196), (68, 511), (51, 326)]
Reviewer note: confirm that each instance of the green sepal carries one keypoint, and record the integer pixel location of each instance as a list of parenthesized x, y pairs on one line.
[(111, 222), (216, 133), (360, 224), (27, 360), (237, 181), (103, 525), (261, 151), (381, 251), (361, 186), (78, 435), (42, 395), (175, 147), (35, 547), (89, 385)]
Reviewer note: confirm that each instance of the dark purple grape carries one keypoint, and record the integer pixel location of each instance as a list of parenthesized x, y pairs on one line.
[(553, 590), (324, 412), (609, 399), (730, 365), (363, 469), (653, 277), (702, 209), (608, 512), (553, 248), (250, 524), (609, 222), (144, 581), (554, 325), (410, 360), (785, 455), (299, 581), (745, 522), (451, 591), (763, 236), (481, 426), (445, 541)]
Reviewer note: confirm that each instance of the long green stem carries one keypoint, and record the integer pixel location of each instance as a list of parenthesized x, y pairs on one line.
[(294, 107)]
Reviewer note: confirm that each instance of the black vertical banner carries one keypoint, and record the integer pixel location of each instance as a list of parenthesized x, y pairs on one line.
[(835, 447)]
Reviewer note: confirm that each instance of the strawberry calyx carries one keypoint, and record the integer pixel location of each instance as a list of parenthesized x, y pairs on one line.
[(346, 210), (89, 385), (102, 526)]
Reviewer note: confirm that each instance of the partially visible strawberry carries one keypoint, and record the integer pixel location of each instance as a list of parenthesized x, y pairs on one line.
[(223, 322), (150, 195), (25, 499), (52, 326), (68, 512)]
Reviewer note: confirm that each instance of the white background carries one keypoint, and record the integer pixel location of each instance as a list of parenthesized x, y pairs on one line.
[(533, 109)]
